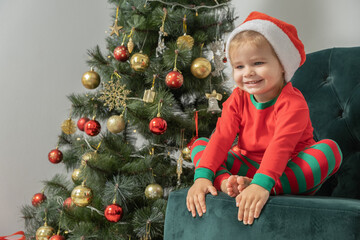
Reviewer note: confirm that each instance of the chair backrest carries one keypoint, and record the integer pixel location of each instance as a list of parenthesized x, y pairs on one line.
[(330, 83)]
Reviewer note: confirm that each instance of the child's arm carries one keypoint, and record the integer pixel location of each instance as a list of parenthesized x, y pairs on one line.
[(196, 196)]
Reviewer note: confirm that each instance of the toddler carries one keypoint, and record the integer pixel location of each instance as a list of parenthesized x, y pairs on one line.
[(276, 152)]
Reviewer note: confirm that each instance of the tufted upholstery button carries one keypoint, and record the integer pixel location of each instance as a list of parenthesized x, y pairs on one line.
[(326, 75), (341, 113)]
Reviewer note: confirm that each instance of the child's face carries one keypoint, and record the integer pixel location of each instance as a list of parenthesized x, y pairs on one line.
[(257, 70)]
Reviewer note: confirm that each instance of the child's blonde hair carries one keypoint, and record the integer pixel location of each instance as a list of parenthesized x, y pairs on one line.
[(248, 37)]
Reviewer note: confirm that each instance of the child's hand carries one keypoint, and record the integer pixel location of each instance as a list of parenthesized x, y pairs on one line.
[(250, 202), (196, 196)]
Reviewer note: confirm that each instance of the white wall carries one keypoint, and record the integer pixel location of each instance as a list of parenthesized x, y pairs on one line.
[(320, 23), (43, 46), (43, 53)]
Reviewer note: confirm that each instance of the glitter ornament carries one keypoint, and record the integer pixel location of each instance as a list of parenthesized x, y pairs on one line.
[(68, 127), (55, 156), (130, 45), (185, 42), (92, 128), (115, 124), (114, 94)]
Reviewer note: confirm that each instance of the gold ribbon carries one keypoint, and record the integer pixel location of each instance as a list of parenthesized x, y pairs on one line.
[(116, 74), (184, 24)]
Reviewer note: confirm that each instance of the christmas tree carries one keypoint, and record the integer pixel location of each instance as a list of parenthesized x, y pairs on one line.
[(126, 142)]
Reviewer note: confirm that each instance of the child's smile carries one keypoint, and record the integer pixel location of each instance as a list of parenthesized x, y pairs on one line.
[(258, 71)]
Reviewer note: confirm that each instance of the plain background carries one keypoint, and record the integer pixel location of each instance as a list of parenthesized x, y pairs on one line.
[(43, 53)]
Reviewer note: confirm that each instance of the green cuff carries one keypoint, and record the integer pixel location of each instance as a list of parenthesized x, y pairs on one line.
[(204, 173), (263, 180)]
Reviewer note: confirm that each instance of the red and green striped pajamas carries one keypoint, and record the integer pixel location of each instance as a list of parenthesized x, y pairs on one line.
[(275, 146), (304, 174)]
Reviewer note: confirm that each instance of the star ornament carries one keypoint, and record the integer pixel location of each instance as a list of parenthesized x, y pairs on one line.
[(115, 29)]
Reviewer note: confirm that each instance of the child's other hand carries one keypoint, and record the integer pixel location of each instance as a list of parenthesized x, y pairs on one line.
[(250, 202), (196, 196)]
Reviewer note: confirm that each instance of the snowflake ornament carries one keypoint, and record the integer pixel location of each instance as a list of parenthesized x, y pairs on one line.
[(114, 94)]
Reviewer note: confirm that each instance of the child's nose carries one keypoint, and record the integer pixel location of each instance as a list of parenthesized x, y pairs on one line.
[(249, 72)]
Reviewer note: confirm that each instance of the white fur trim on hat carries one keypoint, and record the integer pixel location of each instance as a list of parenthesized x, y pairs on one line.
[(287, 53)]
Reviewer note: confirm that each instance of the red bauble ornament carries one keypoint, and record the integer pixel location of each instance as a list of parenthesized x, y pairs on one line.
[(68, 203), (37, 199), (113, 213), (121, 53), (57, 237), (158, 125), (174, 79), (192, 142), (92, 128), (55, 156), (81, 123)]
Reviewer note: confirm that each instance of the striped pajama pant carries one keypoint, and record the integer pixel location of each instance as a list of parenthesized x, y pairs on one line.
[(304, 174)]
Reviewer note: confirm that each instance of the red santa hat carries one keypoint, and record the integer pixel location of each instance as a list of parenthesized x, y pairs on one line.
[(281, 35)]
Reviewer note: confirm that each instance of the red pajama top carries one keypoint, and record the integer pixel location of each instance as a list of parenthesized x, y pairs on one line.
[(269, 133)]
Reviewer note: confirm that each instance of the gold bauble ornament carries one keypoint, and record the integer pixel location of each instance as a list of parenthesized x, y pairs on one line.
[(68, 126), (45, 232), (154, 191), (76, 176), (91, 79), (89, 156), (115, 124), (139, 62), (81, 195), (186, 154), (201, 67), (185, 42)]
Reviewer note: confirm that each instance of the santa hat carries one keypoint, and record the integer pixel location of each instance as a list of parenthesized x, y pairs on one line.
[(281, 35)]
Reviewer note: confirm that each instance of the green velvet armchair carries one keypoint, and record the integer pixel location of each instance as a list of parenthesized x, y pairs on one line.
[(330, 82)]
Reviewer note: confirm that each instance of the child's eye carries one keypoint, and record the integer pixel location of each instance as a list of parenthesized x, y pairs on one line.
[(239, 67), (258, 63)]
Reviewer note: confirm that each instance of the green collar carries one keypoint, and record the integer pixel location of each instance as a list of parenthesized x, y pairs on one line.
[(262, 105)]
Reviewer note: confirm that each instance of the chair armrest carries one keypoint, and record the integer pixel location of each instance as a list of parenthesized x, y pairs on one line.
[(283, 217)]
